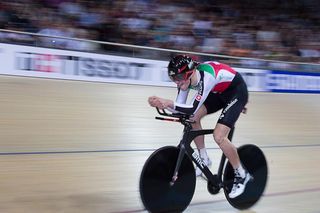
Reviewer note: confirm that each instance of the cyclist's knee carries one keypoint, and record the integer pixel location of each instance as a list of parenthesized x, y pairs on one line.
[(219, 137)]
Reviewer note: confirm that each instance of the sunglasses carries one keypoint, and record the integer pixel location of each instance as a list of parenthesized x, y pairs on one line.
[(181, 76)]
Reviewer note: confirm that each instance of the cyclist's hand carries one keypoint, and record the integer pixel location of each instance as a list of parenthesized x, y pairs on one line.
[(160, 103), (153, 101)]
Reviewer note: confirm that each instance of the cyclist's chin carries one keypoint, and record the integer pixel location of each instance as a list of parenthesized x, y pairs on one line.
[(183, 85)]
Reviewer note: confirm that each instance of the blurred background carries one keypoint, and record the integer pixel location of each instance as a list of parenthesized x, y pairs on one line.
[(273, 30), (78, 144)]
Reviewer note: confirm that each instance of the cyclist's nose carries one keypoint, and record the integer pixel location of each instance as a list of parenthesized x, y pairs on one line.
[(177, 82)]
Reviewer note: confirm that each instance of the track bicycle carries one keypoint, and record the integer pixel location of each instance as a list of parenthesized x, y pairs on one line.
[(167, 180)]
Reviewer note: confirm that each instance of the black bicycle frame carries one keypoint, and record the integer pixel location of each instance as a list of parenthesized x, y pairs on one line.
[(185, 147)]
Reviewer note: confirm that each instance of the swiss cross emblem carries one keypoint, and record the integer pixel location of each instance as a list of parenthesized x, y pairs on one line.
[(198, 98)]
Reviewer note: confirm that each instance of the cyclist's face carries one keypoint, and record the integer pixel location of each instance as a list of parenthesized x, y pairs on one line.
[(183, 80)]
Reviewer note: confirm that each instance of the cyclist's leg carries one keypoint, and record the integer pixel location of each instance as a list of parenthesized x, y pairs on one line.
[(199, 141), (241, 176), (220, 135), (235, 100), (212, 104), (228, 118)]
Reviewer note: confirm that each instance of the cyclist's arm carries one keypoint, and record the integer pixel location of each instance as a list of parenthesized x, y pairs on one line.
[(207, 82), (181, 99), (182, 96)]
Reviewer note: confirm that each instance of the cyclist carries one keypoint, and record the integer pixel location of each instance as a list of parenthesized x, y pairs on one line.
[(217, 87)]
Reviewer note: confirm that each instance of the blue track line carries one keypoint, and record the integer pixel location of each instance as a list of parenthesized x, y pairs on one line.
[(140, 150)]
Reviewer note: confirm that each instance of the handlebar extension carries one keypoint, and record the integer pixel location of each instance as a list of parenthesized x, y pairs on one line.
[(180, 117)]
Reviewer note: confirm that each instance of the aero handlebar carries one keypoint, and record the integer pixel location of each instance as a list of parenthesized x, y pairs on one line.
[(176, 117)]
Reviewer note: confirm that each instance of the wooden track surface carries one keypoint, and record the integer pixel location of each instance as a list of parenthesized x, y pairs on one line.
[(68, 146)]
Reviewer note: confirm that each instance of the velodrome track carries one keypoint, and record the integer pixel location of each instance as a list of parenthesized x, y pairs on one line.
[(78, 147)]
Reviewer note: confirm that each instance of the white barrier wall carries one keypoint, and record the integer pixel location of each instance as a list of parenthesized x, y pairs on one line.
[(63, 64)]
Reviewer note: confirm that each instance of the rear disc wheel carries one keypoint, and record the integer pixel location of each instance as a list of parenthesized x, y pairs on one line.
[(255, 162)]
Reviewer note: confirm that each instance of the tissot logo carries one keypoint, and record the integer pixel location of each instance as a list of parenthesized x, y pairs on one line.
[(73, 65), (108, 68)]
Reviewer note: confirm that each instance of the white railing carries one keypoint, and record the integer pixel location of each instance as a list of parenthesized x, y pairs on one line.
[(43, 40)]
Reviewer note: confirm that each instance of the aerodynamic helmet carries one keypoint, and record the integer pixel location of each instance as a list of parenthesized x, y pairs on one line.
[(181, 67)]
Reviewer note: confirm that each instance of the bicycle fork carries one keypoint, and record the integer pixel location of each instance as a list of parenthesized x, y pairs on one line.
[(178, 164), (186, 148)]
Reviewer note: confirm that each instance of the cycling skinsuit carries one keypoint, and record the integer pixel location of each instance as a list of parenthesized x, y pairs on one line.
[(218, 87)]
